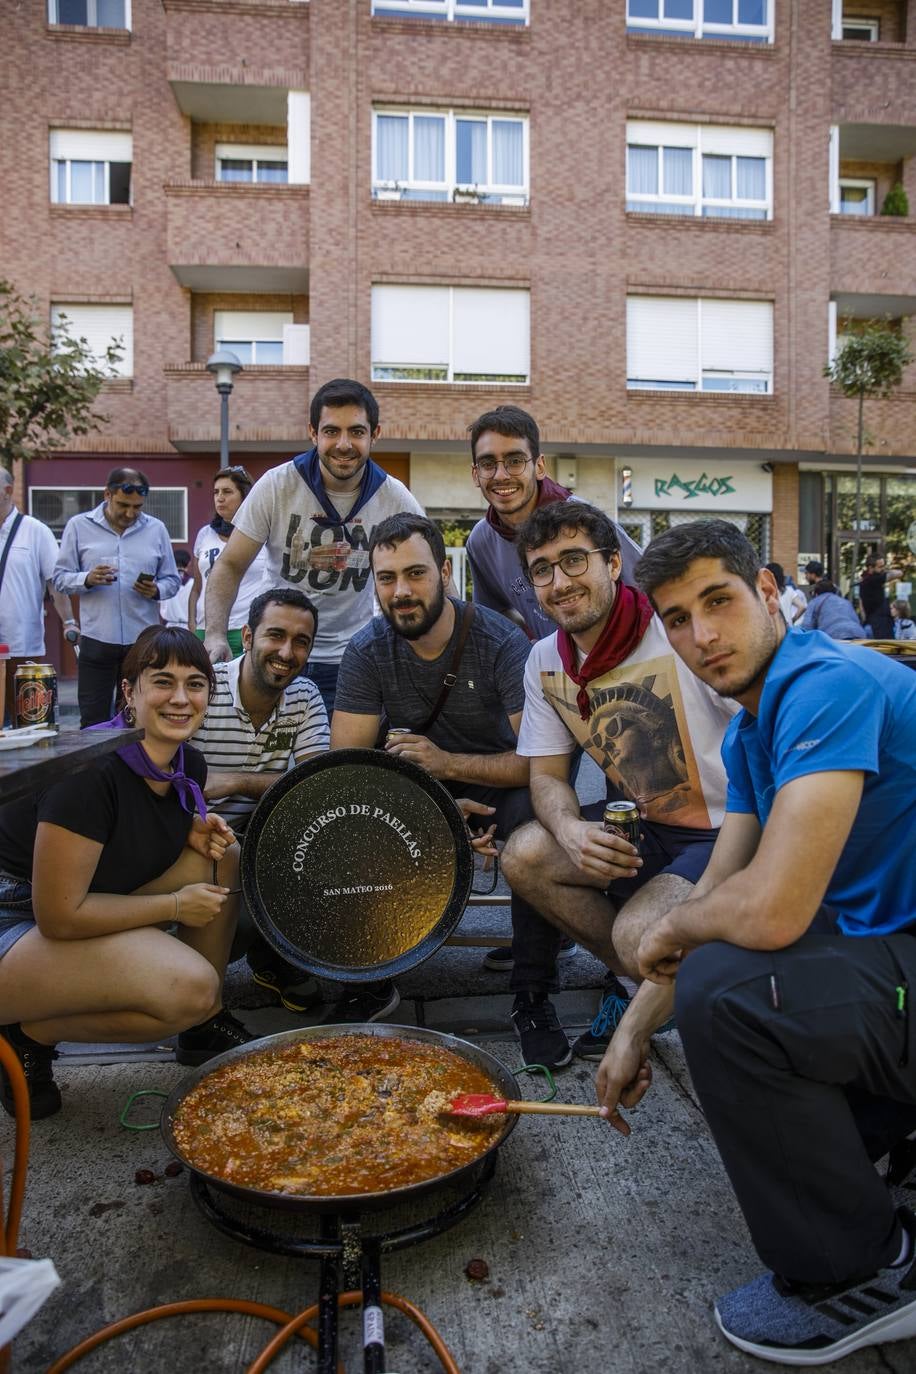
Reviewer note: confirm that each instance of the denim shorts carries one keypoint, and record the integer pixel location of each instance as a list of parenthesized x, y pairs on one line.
[(16, 917)]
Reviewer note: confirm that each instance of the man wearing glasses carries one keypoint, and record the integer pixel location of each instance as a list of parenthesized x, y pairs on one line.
[(119, 562), (608, 682)]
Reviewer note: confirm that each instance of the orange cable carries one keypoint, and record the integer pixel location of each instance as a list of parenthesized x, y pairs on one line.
[(13, 1070)]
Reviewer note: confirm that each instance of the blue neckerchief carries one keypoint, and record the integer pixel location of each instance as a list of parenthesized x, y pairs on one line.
[(309, 469)]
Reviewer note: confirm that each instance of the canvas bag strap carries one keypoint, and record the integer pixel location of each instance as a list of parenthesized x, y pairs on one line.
[(451, 677)]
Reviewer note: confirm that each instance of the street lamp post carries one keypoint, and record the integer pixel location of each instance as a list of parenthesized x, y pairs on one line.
[(224, 365)]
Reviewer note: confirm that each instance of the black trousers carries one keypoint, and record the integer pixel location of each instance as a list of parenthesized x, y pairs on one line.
[(805, 1064), (535, 942), (99, 679)]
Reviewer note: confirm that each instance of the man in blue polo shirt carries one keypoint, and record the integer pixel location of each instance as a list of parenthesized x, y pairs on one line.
[(794, 961)]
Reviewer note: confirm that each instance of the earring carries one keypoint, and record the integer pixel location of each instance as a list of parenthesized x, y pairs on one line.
[(130, 717)]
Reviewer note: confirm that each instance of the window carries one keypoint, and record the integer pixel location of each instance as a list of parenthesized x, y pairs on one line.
[(262, 337), (748, 19), (55, 506), (857, 196), (90, 14), (99, 325), (447, 156), (90, 167), (861, 30), (705, 170), (450, 334), (484, 11), (675, 343), (251, 162)]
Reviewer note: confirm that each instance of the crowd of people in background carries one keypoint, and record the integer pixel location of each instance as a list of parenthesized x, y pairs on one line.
[(318, 611)]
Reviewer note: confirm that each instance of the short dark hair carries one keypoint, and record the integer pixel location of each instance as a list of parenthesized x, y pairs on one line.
[(670, 554), (119, 475), (393, 531), (825, 585), (560, 517), (240, 478), (280, 596), (342, 391), (159, 645), (182, 558), (814, 565), (778, 572), (509, 420)]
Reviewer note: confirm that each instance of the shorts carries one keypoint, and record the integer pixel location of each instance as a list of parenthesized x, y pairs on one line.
[(663, 849), (16, 917)]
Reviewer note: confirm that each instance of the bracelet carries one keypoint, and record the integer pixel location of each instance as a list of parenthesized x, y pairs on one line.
[(177, 905)]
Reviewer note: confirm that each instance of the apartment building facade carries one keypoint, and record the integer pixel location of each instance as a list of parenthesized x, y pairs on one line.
[(646, 221)]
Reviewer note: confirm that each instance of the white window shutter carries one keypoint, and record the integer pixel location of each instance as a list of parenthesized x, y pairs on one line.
[(655, 133), (662, 341), (92, 145), (737, 336), (410, 326), (299, 137), (99, 325), (722, 141), (269, 152), (491, 332), (296, 345), (250, 324)]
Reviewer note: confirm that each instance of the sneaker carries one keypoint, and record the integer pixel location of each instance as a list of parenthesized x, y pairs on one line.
[(36, 1061), (542, 1038), (222, 1032), (501, 961), (593, 1042), (296, 993), (366, 1002), (807, 1324)]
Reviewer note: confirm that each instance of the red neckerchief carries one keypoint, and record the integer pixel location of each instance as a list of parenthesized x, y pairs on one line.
[(625, 627), (548, 492)]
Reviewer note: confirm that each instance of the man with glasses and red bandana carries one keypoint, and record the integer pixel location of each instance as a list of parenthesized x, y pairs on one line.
[(609, 682), (119, 561)]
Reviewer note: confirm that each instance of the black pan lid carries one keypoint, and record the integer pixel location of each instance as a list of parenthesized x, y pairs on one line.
[(356, 865)]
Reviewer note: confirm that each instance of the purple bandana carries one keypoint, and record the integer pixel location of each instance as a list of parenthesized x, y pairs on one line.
[(138, 761)]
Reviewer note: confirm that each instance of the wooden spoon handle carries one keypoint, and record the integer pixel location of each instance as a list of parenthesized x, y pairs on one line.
[(552, 1108)]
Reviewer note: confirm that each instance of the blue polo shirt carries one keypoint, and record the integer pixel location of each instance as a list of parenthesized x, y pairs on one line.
[(830, 707)]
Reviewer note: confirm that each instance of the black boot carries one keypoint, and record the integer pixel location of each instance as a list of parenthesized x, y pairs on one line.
[(36, 1061), (199, 1043)]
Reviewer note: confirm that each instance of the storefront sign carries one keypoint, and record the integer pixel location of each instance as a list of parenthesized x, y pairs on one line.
[(711, 487)]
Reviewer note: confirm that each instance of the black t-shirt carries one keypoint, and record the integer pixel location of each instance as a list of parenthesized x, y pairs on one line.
[(871, 591), (142, 834)]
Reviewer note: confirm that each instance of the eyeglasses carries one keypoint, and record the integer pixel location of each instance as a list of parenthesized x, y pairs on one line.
[(574, 564), (131, 488), (514, 465)]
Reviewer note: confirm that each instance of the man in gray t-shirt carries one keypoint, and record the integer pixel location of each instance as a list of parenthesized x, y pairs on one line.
[(397, 667)]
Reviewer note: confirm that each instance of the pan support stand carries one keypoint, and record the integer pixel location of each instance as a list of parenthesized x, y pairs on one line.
[(346, 1252)]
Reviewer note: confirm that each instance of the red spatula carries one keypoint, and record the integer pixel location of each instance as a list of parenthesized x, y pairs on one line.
[(483, 1104)]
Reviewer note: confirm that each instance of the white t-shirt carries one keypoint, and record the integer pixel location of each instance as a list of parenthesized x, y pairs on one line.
[(280, 511), (655, 730), (207, 548), (31, 561), (174, 610), (791, 602)]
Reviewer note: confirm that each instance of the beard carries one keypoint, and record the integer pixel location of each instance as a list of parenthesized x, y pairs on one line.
[(416, 629), (760, 652), (597, 608)]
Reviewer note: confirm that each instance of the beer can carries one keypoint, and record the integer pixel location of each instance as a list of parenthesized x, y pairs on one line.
[(394, 734), (35, 695), (622, 818)]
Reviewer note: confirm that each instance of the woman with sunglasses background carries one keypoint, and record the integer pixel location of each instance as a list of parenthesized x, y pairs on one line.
[(111, 927), (119, 562), (230, 487)]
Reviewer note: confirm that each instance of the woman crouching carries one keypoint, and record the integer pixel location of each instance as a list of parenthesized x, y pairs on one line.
[(110, 928)]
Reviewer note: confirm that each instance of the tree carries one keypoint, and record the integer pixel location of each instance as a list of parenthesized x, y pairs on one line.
[(48, 380), (870, 363)]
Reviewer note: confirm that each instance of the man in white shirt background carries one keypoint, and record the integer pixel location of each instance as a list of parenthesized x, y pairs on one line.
[(29, 552)]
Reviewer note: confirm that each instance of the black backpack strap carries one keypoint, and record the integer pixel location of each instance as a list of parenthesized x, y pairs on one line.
[(9, 544)]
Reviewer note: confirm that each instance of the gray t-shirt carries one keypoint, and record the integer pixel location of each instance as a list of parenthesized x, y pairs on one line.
[(380, 672)]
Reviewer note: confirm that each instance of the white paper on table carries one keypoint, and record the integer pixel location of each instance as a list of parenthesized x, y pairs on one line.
[(24, 1286)]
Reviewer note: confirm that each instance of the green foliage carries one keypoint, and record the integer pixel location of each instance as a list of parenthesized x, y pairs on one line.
[(454, 532), (871, 362), (896, 202), (48, 381)]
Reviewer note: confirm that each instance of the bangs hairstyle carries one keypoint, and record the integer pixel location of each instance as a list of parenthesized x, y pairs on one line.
[(159, 645), (397, 528), (566, 517), (668, 557), (512, 423)]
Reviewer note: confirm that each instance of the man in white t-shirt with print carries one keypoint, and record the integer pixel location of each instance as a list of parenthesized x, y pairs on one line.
[(608, 682), (26, 574), (262, 719), (315, 515)]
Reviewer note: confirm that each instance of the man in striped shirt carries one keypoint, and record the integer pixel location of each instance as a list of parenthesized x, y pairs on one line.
[(263, 719)]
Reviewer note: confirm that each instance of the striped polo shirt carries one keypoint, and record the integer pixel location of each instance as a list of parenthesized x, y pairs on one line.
[(296, 728)]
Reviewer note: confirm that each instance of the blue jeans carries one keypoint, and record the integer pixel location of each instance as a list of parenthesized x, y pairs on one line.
[(324, 675)]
